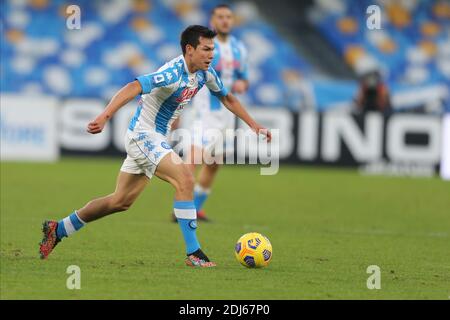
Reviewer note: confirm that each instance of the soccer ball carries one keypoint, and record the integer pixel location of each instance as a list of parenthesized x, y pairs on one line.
[(253, 250)]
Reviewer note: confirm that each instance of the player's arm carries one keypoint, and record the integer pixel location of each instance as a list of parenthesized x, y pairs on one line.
[(233, 104), (216, 87), (121, 98)]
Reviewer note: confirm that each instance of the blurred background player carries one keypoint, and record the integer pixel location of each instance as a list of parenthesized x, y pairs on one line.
[(373, 94), (164, 93), (208, 113)]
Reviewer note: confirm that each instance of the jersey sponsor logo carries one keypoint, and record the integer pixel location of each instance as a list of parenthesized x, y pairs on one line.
[(186, 95), (227, 64)]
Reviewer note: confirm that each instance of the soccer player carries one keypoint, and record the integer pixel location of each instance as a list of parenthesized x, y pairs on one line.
[(163, 95), (208, 112)]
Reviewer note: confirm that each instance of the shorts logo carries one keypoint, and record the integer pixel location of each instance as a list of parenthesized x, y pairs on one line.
[(150, 146), (193, 224), (157, 154), (142, 136), (165, 145)]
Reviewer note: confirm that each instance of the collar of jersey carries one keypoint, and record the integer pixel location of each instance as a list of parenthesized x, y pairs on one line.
[(228, 42), (186, 68)]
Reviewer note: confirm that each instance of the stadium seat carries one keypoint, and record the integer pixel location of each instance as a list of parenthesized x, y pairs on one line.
[(119, 40)]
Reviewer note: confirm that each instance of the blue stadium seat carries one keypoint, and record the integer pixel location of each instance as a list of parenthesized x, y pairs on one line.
[(119, 40)]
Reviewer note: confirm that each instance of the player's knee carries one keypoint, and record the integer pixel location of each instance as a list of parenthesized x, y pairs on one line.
[(121, 204)]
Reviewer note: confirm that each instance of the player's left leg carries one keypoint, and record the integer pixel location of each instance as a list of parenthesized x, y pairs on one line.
[(193, 158), (172, 169)]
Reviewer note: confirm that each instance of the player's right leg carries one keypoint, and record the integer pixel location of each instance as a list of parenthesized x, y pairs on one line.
[(172, 169), (128, 188), (203, 186), (209, 168)]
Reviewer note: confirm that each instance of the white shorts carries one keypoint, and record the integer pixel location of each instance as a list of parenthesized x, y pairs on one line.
[(144, 152), (212, 140)]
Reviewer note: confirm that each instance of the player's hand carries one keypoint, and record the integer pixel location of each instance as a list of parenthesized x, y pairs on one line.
[(97, 125), (239, 86), (260, 130)]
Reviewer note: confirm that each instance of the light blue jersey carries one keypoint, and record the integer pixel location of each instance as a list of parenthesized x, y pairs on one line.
[(166, 92), (230, 64), (230, 61)]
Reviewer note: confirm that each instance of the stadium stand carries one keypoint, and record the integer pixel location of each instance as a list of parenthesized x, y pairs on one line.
[(120, 39), (411, 48)]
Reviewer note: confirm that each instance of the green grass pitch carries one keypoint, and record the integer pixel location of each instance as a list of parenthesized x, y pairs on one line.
[(326, 227)]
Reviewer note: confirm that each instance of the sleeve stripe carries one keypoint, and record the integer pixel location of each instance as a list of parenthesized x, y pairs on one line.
[(214, 83), (145, 84)]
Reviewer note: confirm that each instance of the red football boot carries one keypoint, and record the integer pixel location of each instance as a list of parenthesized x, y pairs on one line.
[(199, 259), (50, 239)]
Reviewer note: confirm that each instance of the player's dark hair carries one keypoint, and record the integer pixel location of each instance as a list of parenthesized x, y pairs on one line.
[(191, 35), (220, 6)]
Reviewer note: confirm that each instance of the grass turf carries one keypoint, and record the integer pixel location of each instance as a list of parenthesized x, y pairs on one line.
[(326, 227)]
